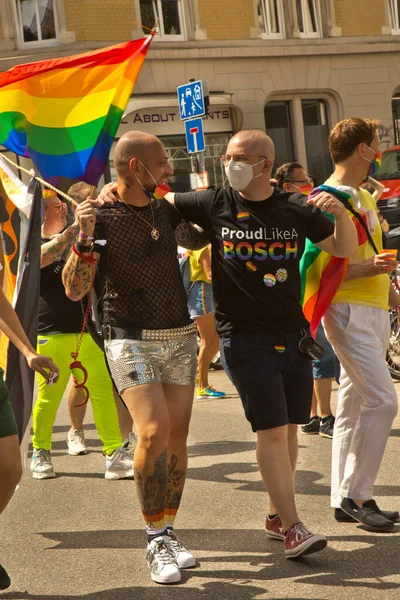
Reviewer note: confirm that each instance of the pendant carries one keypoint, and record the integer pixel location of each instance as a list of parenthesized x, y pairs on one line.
[(155, 234)]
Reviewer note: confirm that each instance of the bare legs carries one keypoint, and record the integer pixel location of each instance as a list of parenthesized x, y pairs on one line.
[(277, 457), (10, 468), (209, 346), (161, 414)]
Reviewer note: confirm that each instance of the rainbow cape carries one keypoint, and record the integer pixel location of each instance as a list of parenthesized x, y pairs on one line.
[(64, 113), (321, 273)]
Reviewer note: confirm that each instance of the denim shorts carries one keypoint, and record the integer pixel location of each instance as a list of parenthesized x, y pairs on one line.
[(273, 378), (200, 299), (326, 367)]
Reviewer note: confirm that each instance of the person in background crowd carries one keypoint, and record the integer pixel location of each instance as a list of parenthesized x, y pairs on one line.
[(201, 310), (292, 177), (59, 327), (357, 325), (80, 192), (10, 456)]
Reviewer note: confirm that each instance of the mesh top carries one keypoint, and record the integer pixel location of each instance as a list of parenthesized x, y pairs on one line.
[(143, 285)]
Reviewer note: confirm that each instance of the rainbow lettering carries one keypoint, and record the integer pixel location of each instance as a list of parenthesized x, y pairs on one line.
[(291, 252), (229, 250)]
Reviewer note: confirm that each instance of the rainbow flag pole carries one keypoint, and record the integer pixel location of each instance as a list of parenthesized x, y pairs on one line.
[(64, 113)]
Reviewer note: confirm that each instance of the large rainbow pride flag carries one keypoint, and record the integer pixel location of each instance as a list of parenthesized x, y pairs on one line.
[(64, 113), (321, 273)]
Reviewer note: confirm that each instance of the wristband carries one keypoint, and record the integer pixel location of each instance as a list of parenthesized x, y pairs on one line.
[(88, 259), (83, 247), (84, 236)]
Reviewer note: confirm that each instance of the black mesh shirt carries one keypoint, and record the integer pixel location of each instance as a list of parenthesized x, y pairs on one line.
[(142, 283)]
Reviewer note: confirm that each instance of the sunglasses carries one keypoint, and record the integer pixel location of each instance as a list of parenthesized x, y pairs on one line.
[(80, 384)]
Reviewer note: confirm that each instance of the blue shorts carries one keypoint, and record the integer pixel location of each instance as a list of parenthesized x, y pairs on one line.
[(200, 299), (273, 378), (326, 367)]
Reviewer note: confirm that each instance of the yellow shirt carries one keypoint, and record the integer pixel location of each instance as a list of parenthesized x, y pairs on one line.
[(368, 291), (196, 270)]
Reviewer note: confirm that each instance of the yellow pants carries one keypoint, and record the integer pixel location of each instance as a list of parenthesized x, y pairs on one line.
[(59, 346)]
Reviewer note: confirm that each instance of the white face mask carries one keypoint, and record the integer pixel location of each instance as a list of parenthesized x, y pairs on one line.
[(241, 174)]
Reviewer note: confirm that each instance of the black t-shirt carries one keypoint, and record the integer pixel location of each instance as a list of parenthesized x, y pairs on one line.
[(57, 313), (256, 250), (142, 283)]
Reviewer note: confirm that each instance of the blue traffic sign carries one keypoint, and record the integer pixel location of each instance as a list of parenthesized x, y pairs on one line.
[(194, 136), (191, 100)]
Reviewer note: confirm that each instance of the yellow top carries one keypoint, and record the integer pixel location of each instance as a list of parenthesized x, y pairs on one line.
[(368, 291), (196, 270)]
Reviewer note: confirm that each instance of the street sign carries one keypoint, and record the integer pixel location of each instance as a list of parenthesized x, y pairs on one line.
[(191, 100), (194, 136)]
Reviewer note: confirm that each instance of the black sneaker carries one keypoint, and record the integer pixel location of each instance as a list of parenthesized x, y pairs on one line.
[(326, 427), (311, 428), (367, 514), (5, 581)]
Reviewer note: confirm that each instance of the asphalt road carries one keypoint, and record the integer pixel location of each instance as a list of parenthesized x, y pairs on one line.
[(80, 536)]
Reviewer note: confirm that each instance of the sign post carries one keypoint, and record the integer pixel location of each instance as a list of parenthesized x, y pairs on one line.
[(193, 104)]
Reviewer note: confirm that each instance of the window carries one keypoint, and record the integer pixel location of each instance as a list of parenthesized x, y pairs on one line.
[(307, 13), (270, 18), (168, 15), (300, 131), (394, 11), (36, 20)]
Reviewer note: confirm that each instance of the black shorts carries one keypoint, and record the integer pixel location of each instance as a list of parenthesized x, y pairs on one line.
[(8, 425), (274, 379)]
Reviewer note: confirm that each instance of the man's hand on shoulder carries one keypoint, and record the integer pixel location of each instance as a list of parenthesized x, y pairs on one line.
[(107, 194)]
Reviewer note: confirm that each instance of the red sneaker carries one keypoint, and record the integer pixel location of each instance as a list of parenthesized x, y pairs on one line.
[(299, 541), (273, 528)]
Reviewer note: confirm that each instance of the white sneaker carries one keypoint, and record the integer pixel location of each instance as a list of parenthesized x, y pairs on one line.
[(119, 465), (184, 558), (41, 465), (76, 442), (161, 560)]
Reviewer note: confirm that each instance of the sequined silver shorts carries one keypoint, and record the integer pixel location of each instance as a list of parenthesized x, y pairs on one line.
[(170, 360)]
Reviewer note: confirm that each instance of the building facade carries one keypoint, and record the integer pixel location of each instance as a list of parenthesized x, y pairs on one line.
[(290, 67)]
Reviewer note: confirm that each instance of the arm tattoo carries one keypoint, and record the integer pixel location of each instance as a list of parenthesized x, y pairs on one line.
[(190, 237), (54, 249), (152, 489), (77, 277), (176, 481)]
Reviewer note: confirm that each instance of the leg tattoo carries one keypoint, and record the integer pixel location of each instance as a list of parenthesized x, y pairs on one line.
[(152, 491), (176, 482)]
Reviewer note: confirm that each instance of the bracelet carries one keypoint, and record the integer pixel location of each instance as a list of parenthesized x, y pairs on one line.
[(83, 247), (84, 236), (88, 259)]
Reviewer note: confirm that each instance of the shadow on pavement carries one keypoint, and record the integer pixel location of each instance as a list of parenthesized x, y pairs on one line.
[(220, 590), (306, 481), (341, 564), (395, 433), (218, 448)]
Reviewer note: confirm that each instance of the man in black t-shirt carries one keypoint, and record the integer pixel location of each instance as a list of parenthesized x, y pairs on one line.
[(258, 235)]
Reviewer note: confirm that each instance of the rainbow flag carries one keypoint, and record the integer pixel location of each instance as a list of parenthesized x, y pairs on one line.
[(321, 273), (64, 113)]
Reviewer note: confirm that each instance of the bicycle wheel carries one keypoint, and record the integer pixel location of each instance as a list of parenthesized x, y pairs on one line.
[(393, 351)]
